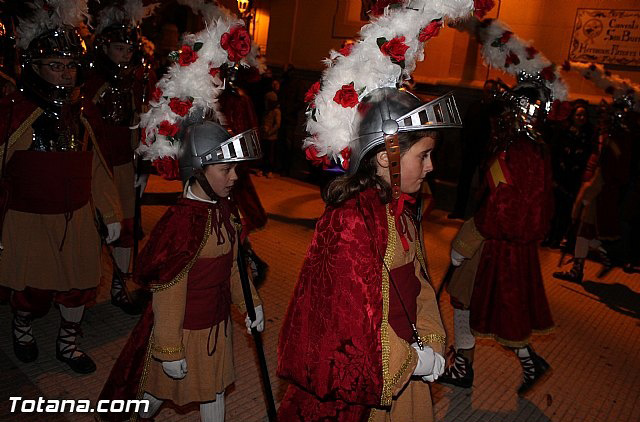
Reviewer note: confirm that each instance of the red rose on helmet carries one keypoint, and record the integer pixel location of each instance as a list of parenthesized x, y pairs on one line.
[(181, 108), (187, 56), (237, 42), (548, 73), (167, 167), (346, 96), (396, 48), (167, 128), (346, 49), (346, 155), (506, 36), (531, 52), (430, 31), (312, 92), (312, 155), (482, 7), (512, 58)]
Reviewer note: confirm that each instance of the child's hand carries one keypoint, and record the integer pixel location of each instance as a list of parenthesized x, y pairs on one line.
[(176, 369), (258, 323)]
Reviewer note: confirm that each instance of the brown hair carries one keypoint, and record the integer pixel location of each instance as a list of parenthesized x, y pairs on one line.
[(345, 187)]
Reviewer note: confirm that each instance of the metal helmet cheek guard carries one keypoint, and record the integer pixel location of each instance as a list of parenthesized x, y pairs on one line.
[(209, 143)]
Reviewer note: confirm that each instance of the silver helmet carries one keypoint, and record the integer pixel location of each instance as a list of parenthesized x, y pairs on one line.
[(389, 111), (207, 142)]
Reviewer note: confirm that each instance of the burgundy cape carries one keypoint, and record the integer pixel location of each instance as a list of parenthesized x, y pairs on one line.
[(173, 246), (330, 346), (509, 300)]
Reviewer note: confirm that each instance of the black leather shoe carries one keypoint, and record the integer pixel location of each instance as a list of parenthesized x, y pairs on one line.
[(25, 352), (459, 373), (82, 364), (542, 371)]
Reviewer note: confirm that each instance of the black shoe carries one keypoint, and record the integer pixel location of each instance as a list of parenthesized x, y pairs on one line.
[(459, 373), (121, 298), (541, 371), (25, 351), (66, 348), (575, 274)]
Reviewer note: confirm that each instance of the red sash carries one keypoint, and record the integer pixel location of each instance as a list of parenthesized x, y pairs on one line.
[(49, 182), (408, 285)]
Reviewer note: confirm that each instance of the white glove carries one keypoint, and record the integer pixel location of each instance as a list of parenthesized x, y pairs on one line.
[(176, 369), (426, 360), (141, 182), (258, 323), (438, 369), (113, 232), (456, 258)]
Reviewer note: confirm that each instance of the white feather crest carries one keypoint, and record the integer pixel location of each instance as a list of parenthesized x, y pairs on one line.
[(192, 82), (531, 61), (131, 12), (332, 127), (613, 85), (48, 15)]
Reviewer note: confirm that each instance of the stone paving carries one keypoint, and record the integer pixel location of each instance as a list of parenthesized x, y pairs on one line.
[(594, 351)]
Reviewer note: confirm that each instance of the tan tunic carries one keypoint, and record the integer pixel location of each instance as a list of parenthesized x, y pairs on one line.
[(412, 397), (32, 256), (123, 178), (209, 372)]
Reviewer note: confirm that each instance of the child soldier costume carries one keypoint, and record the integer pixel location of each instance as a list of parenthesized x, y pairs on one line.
[(119, 87), (181, 349), (57, 183)]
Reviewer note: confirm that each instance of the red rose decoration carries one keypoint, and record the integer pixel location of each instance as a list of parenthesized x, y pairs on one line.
[(237, 42), (347, 96), (378, 8), (430, 31), (506, 37), (312, 92), (187, 56), (181, 108), (531, 52), (396, 48), (482, 7), (143, 136), (548, 73), (512, 58), (167, 167), (167, 128), (346, 49), (156, 95), (214, 71), (312, 155), (346, 155)]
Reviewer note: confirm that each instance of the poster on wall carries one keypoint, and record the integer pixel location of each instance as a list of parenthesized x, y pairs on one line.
[(606, 36)]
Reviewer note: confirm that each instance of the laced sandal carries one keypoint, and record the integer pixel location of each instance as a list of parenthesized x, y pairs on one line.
[(120, 296), (535, 370), (67, 349), (459, 372), (24, 344), (575, 274)]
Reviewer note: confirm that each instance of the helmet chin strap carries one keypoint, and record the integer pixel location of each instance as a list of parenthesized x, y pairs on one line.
[(204, 184), (390, 130)]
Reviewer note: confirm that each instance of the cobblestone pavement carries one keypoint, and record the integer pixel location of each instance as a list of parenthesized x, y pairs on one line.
[(594, 350)]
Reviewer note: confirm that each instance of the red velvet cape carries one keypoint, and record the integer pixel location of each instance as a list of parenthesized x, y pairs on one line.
[(330, 344), (174, 243), (509, 300)]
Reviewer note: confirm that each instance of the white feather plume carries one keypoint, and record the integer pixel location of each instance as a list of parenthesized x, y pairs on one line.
[(613, 85), (193, 82), (531, 61), (331, 126), (131, 12), (48, 15)]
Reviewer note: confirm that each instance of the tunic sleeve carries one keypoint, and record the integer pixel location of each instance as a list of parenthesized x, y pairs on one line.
[(428, 321), (168, 313), (468, 239), (403, 360)]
